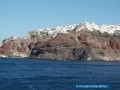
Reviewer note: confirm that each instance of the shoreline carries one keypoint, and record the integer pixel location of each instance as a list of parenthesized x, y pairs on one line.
[(61, 59)]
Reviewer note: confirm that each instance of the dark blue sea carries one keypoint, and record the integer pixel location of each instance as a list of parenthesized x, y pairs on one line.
[(28, 74)]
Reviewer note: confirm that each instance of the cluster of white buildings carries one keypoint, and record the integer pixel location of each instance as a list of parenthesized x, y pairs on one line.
[(50, 32), (103, 28), (66, 29)]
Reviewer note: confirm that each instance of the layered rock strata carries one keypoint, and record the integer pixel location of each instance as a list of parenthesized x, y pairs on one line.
[(86, 41)]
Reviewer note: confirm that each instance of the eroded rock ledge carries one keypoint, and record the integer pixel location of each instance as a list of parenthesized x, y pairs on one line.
[(77, 44), (83, 45)]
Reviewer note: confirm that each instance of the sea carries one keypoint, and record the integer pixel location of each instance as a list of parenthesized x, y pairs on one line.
[(33, 74)]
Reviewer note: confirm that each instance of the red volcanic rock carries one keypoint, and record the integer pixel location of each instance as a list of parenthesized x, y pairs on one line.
[(80, 45), (40, 43), (18, 46), (2, 51), (104, 45), (118, 45), (82, 37), (7, 46), (24, 44), (115, 44), (74, 45), (99, 42), (15, 46), (62, 40), (23, 47)]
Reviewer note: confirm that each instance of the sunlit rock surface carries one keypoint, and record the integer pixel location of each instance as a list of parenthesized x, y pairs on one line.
[(85, 41)]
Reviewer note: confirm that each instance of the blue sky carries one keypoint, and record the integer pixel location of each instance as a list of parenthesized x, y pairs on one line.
[(17, 17)]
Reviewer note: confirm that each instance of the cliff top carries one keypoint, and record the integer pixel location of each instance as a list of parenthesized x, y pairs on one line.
[(52, 32)]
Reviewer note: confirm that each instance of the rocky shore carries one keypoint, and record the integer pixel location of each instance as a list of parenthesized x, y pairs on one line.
[(86, 41)]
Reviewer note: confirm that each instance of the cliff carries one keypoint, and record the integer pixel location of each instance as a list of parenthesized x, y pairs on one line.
[(86, 41)]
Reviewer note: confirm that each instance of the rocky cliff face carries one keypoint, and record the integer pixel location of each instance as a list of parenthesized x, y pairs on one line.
[(17, 47), (77, 42), (82, 45)]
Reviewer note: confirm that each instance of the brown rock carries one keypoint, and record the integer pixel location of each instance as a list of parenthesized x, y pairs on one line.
[(32, 45), (7, 46), (74, 45)]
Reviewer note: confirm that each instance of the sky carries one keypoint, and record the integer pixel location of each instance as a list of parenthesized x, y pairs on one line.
[(17, 17)]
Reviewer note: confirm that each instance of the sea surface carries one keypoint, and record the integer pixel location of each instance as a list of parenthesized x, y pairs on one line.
[(27, 74)]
